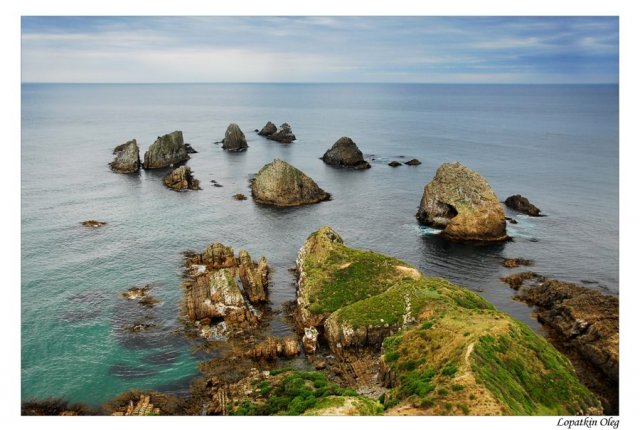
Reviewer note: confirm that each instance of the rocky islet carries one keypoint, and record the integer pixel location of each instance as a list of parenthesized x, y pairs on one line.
[(345, 153)]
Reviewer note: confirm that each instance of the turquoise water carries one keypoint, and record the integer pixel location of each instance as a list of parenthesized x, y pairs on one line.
[(557, 145)]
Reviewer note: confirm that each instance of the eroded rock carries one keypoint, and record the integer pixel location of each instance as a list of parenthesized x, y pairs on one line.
[(234, 139), (167, 150), (127, 158), (181, 179), (283, 135), (268, 129), (522, 204), (345, 153)]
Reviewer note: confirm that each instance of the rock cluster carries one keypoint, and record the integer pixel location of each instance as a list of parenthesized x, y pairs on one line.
[(234, 139), (181, 179), (283, 135), (280, 184), (461, 203), (127, 158), (345, 153), (221, 288), (272, 348), (167, 150), (522, 204)]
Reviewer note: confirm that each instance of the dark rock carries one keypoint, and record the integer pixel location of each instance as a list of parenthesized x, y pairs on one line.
[(166, 151), (461, 202), (93, 223), (268, 129), (234, 139), (190, 149), (395, 164), (280, 184), (283, 135), (181, 179), (217, 185), (522, 204), (413, 162), (239, 196), (511, 220), (345, 153), (127, 158), (516, 280)]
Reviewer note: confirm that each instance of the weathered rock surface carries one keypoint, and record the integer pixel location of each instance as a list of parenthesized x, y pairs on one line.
[(522, 204), (413, 162), (345, 153), (181, 179), (587, 319), (442, 345), (166, 151), (461, 202), (234, 139), (93, 223), (127, 158), (221, 287), (280, 184), (283, 135), (268, 129), (272, 347)]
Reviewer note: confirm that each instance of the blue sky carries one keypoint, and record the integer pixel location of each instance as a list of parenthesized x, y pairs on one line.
[(320, 49)]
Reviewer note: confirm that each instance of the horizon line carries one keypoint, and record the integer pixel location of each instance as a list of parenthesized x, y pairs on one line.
[(313, 83)]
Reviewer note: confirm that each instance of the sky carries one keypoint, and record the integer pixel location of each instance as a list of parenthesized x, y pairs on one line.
[(320, 49)]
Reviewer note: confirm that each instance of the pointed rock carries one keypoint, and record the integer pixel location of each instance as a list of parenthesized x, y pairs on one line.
[(127, 158), (345, 153), (166, 151), (234, 139)]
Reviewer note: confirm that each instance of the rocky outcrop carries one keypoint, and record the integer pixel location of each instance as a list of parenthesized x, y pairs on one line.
[(395, 164), (234, 139), (522, 204), (345, 153), (268, 129), (413, 162), (167, 150), (93, 223), (190, 149), (438, 344), (280, 184), (584, 318), (461, 203), (221, 288), (127, 158), (272, 348), (181, 179), (283, 135)]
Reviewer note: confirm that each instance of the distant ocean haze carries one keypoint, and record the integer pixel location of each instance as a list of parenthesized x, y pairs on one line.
[(555, 144)]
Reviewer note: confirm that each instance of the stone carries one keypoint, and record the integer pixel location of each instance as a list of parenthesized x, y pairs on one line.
[(181, 179), (461, 203), (345, 153), (167, 150), (93, 223), (413, 162), (395, 164), (280, 184), (272, 348), (239, 196), (234, 139), (510, 263), (283, 134), (127, 158), (268, 129), (522, 204), (310, 340), (190, 149)]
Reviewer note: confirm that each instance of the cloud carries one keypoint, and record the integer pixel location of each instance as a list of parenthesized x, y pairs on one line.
[(320, 49)]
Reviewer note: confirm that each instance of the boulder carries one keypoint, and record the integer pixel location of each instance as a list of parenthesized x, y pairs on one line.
[(345, 153), (127, 158), (280, 184), (283, 134), (268, 129), (93, 223), (461, 203), (413, 162), (190, 149), (181, 179), (522, 204), (395, 164), (166, 151), (310, 340), (239, 196), (234, 139)]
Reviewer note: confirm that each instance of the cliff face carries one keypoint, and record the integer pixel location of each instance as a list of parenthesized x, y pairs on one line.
[(443, 349), (461, 202), (280, 184), (165, 151)]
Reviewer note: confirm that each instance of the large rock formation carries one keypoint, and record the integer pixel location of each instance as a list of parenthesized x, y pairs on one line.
[(166, 151), (280, 184), (283, 135), (213, 294), (268, 129), (345, 153), (461, 202), (127, 158), (522, 204), (181, 179), (445, 350), (234, 139)]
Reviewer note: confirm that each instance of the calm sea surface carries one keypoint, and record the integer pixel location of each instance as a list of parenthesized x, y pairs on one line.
[(557, 145)]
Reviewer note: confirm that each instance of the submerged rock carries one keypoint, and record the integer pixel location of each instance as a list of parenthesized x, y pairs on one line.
[(395, 164), (239, 196), (345, 153), (442, 345), (522, 204), (510, 263), (280, 184), (282, 135), (413, 162), (127, 158), (461, 202), (166, 151), (181, 179), (268, 129), (234, 139), (93, 223)]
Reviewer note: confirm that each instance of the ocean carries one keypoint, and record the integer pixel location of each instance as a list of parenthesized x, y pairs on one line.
[(555, 144)]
